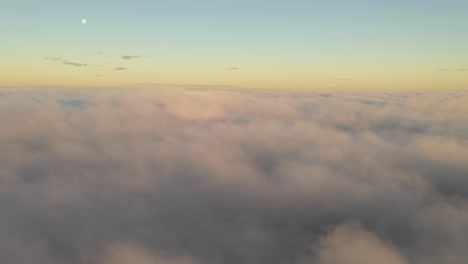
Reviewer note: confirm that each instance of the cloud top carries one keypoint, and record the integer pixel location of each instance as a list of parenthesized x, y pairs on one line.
[(350, 243), (210, 176)]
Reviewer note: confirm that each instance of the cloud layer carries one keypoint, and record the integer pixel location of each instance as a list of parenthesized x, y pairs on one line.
[(176, 176)]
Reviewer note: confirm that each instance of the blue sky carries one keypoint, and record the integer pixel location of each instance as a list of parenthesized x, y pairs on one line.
[(301, 36)]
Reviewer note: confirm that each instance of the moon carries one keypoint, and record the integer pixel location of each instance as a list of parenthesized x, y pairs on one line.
[(83, 21)]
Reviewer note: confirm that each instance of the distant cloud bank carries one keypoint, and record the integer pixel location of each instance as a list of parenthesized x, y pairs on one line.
[(188, 177)]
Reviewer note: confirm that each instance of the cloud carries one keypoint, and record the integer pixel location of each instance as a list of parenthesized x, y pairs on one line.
[(120, 69), (74, 64), (349, 243), (181, 85), (124, 253), (181, 176), (53, 59), (133, 57), (230, 69), (452, 70), (66, 62)]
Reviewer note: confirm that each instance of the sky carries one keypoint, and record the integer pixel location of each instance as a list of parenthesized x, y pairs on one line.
[(189, 132), (325, 45)]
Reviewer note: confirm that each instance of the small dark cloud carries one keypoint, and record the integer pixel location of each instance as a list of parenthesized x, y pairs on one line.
[(76, 64), (120, 69), (53, 59), (452, 70), (230, 69), (66, 62), (133, 57)]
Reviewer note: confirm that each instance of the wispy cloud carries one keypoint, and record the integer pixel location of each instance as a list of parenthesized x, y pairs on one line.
[(66, 62), (76, 64), (230, 69), (53, 59), (452, 70), (133, 57), (120, 69), (180, 85)]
